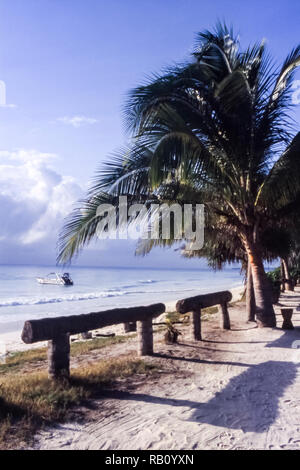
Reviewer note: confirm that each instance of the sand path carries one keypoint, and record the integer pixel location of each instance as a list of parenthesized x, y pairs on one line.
[(238, 389)]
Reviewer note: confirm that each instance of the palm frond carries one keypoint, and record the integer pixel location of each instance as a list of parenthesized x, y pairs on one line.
[(283, 181), (126, 172), (80, 226), (286, 73)]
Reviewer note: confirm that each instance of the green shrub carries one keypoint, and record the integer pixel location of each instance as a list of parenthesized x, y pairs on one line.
[(275, 280)]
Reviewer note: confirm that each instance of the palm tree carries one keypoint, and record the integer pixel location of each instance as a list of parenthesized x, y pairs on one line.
[(220, 127)]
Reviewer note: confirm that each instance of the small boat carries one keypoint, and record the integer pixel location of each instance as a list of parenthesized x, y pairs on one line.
[(54, 278)]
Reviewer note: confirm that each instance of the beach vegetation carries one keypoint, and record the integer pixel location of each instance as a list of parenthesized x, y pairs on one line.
[(20, 359), (29, 401)]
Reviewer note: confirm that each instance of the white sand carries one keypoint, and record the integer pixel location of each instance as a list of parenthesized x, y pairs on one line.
[(237, 389)]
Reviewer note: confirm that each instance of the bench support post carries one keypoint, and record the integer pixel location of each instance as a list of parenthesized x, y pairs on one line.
[(287, 314), (145, 337), (59, 357), (196, 324), (225, 320)]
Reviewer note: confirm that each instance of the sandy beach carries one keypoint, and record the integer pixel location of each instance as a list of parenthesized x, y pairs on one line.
[(236, 389)]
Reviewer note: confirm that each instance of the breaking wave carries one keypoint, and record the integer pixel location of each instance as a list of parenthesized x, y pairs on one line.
[(65, 298)]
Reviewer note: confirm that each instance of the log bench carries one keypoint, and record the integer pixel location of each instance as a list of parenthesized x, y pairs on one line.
[(195, 304), (57, 332)]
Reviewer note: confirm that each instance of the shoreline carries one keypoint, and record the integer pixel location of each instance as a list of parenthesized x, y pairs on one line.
[(11, 341)]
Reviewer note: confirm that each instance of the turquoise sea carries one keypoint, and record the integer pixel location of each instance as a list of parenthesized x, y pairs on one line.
[(95, 289)]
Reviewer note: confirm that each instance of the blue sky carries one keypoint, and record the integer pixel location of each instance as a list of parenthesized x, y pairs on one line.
[(67, 66)]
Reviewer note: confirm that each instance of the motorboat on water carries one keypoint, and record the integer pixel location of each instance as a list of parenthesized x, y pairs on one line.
[(58, 279)]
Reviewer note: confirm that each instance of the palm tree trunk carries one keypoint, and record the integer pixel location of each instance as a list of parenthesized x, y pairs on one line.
[(282, 275), (288, 285), (265, 314), (250, 298)]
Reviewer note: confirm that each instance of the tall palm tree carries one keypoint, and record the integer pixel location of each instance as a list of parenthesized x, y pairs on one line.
[(220, 126)]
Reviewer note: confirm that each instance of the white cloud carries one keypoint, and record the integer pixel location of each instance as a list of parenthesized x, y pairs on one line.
[(77, 121), (34, 198)]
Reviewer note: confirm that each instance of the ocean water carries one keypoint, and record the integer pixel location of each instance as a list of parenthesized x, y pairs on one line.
[(95, 289)]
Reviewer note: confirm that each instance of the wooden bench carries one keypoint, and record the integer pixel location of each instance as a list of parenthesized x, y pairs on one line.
[(58, 330), (195, 304)]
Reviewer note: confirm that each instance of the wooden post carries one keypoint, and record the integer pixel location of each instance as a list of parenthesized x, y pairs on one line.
[(287, 314), (196, 324), (225, 320), (59, 357), (129, 326), (145, 337)]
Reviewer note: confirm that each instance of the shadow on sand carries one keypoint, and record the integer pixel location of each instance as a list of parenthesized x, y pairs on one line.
[(286, 340), (248, 402)]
